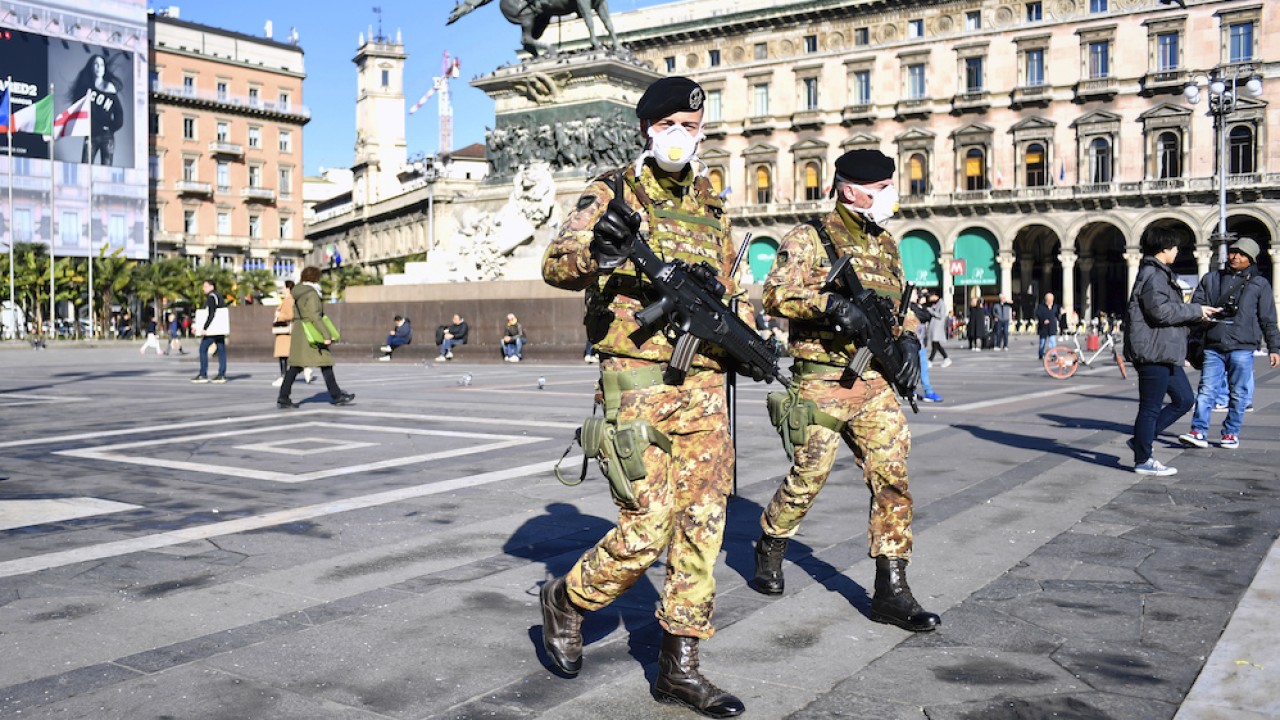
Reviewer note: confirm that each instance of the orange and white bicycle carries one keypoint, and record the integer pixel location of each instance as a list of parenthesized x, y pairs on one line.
[(1061, 362)]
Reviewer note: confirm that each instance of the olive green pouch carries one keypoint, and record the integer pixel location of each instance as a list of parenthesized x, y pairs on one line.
[(620, 451), (791, 415)]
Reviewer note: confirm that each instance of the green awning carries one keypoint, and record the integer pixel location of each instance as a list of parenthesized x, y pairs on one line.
[(919, 251), (977, 248)]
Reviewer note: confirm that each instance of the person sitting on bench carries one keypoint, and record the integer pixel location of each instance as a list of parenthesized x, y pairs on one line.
[(448, 336), (401, 334)]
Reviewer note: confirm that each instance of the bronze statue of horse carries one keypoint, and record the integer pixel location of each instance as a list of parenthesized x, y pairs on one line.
[(533, 17)]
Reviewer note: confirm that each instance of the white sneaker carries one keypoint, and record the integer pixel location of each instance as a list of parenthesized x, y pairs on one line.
[(308, 376), (1154, 467), (515, 358), (449, 355), (385, 349), (442, 358), (946, 362), (385, 358), (278, 381)]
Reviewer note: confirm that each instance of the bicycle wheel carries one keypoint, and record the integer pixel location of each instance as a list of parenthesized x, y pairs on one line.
[(1061, 362), (1124, 371)]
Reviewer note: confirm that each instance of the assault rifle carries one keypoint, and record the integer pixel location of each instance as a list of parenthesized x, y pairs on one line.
[(875, 338), (690, 300)]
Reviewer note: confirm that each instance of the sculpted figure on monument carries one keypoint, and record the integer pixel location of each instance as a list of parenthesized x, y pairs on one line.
[(533, 17)]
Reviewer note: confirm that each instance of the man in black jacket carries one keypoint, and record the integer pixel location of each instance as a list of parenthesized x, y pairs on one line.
[(212, 302), (401, 334), (1047, 323), (1248, 317), (455, 334)]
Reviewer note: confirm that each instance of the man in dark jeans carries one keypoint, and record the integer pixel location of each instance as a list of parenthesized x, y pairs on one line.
[(1047, 323), (401, 334), (212, 302), (450, 335)]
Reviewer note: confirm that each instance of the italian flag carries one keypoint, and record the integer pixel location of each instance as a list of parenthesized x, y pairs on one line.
[(35, 118)]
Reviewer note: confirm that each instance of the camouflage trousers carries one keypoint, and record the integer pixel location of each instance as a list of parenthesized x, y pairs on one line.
[(681, 508), (877, 432)]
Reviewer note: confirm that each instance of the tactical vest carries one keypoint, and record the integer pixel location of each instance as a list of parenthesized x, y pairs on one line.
[(691, 227), (879, 268)]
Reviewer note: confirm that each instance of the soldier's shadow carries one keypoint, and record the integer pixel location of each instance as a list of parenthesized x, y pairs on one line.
[(742, 528), (557, 539)]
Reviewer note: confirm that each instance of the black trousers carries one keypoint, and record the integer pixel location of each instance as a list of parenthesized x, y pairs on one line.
[(291, 374), (935, 348)]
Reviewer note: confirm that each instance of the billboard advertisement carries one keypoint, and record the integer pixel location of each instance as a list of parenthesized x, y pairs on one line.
[(74, 73)]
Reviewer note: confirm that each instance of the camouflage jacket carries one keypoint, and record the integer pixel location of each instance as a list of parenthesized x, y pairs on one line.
[(678, 221), (792, 288)]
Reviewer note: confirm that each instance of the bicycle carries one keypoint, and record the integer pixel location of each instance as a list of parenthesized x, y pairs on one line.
[(1062, 362)]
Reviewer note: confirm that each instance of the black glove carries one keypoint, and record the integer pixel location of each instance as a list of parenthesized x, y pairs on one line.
[(613, 234), (847, 318), (908, 375)]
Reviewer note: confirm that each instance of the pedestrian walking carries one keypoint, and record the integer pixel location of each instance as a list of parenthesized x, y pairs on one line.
[(679, 504), (1155, 341), (308, 307), (976, 328), (1002, 314), (213, 333), (1047, 324), (938, 320), (152, 341), (863, 412)]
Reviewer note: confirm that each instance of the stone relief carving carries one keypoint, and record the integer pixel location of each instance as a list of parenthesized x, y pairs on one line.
[(588, 144)]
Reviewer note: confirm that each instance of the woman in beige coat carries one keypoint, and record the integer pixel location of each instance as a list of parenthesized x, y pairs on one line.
[(282, 329)]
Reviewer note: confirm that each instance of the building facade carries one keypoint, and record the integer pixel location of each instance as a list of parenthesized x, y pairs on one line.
[(226, 147), (1035, 141)]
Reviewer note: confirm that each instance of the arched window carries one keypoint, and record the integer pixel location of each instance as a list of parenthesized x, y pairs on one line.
[(918, 172), (716, 176), (975, 169), (1035, 159), (1168, 155), (812, 182), (1241, 149), (1100, 161), (764, 188)]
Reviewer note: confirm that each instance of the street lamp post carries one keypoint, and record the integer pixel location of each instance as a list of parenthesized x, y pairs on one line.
[(1223, 84)]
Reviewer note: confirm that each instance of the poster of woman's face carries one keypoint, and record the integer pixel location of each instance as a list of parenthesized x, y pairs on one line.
[(95, 84)]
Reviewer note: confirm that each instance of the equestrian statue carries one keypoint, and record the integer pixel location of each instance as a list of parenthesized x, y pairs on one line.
[(533, 17)]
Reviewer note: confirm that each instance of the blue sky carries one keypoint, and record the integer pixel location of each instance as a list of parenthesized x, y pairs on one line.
[(329, 33)]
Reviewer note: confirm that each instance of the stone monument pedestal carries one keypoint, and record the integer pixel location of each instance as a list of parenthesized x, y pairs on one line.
[(575, 112)]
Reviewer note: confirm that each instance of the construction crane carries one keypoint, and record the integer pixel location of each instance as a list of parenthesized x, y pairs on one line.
[(449, 69)]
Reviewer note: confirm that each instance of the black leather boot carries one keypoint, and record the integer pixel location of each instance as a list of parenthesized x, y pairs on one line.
[(769, 554), (680, 682), (893, 602), (561, 627)]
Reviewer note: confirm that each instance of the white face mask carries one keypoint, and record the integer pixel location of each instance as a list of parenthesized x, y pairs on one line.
[(673, 149), (884, 204)]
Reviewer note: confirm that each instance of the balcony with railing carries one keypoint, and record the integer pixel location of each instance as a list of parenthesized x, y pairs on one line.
[(971, 101), (245, 103), (228, 149), (1103, 88), (811, 119), (254, 193), (193, 187), (1030, 95), (913, 108), (1165, 81), (859, 113)]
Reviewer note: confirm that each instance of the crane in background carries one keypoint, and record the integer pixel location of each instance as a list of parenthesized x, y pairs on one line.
[(449, 69)]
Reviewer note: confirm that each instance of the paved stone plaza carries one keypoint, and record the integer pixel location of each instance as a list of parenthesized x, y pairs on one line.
[(170, 550)]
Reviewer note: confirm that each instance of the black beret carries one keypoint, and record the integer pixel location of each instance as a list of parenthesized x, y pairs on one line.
[(864, 166), (670, 95)]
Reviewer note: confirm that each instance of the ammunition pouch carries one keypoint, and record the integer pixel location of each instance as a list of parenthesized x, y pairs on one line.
[(792, 415), (620, 450)]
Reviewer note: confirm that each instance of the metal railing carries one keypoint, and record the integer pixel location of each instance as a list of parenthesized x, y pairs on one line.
[(231, 99)]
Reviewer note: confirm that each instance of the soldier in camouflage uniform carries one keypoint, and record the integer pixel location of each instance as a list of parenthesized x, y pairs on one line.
[(864, 411), (680, 503)]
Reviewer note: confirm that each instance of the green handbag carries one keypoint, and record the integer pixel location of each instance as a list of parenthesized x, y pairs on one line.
[(314, 336)]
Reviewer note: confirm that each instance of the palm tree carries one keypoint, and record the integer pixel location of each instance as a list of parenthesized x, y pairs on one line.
[(334, 283), (161, 280), (254, 284), (112, 275), (222, 278)]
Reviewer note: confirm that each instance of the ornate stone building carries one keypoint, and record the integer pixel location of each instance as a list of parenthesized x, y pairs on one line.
[(1036, 141), (226, 146)]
